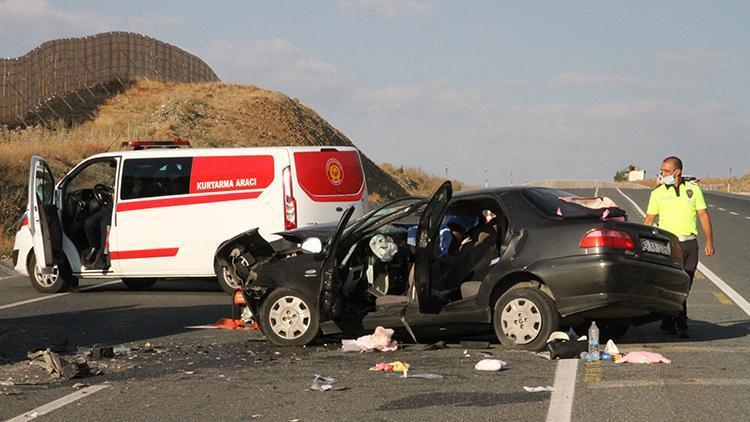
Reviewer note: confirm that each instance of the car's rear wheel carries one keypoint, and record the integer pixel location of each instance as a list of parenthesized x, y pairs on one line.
[(139, 283), (60, 280), (524, 318), (227, 279), (289, 318)]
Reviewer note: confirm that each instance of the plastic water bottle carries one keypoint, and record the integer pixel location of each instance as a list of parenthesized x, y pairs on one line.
[(594, 339)]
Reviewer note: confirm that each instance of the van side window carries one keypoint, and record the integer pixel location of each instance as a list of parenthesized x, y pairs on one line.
[(149, 177)]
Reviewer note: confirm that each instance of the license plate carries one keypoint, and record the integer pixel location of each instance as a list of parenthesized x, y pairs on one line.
[(655, 246)]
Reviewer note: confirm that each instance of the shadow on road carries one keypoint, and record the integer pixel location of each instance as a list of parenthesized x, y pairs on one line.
[(700, 331), (65, 332)]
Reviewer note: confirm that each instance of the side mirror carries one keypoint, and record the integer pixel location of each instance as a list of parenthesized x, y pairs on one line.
[(312, 245)]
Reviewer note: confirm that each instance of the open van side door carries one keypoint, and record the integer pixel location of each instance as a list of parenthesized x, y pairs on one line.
[(328, 290), (44, 220), (427, 266)]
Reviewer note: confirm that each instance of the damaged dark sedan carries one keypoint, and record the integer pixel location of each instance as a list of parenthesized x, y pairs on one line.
[(504, 259)]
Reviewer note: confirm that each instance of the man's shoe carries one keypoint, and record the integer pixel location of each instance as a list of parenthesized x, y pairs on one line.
[(89, 256)]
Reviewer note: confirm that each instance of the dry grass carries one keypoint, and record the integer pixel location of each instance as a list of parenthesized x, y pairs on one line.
[(416, 181), (720, 184)]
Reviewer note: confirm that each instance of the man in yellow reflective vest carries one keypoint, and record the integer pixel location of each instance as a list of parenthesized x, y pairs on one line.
[(678, 203)]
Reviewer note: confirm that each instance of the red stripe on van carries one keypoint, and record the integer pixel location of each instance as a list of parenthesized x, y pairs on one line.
[(144, 253), (330, 176), (231, 173), (185, 200), (25, 221)]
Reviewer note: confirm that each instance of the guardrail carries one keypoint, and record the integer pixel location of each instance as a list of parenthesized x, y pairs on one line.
[(69, 65)]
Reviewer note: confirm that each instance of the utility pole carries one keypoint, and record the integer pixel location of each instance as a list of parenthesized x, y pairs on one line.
[(446, 172), (511, 178), (486, 185)]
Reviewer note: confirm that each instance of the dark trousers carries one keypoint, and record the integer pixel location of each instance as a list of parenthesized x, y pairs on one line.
[(690, 263), (95, 227)]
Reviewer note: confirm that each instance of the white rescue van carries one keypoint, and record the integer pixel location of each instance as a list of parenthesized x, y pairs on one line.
[(172, 207)]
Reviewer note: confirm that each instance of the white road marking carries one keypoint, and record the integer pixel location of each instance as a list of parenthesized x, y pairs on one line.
[(643, 213), (52, 296), (733, 213), (736, 297), (748, 218), (711, 205), (561, 402), (721, 209), (54, 405), (7, 276)]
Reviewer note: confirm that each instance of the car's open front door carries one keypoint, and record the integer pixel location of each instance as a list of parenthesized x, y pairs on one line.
[(328, 291), (427, 267), (44, 220)]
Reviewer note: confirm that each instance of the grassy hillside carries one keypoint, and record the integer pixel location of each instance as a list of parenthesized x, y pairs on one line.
[(208, 115)]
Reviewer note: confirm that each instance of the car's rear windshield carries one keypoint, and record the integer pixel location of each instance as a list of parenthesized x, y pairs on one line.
[(545, 200)]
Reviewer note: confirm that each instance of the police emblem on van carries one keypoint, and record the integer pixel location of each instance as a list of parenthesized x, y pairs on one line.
[(334, 171)]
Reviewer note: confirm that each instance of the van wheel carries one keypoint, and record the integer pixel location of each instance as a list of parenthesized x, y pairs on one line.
[(61, 279), (139, 283), (524, 318), (227, 279), (289, 318)]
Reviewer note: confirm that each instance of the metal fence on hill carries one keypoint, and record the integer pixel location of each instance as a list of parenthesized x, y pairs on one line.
[(66, 66)]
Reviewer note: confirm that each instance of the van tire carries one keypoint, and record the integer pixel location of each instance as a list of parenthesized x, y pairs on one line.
[(61, 281), (139, 283), (287, 303), (224, 276), (528, 326)]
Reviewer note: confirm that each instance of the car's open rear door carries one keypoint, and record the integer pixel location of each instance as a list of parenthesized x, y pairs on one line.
[(328, 289), (427, 267), (44, 220)]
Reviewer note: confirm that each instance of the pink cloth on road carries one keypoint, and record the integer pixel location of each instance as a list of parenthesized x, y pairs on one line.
[(379, 340), (643, 357)]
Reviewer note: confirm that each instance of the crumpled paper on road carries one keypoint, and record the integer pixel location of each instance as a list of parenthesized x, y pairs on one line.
[(379, 340)]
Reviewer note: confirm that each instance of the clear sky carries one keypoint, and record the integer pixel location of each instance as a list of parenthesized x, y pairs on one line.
[(554, 89)]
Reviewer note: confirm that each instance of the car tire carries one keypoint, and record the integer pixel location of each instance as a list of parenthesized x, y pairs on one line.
[(226, 278), (61, 280), (524, 318), (139, 283), (289, 318)]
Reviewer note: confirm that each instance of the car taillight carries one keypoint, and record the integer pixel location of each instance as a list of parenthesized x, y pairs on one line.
[(290, 204), (607, 238)]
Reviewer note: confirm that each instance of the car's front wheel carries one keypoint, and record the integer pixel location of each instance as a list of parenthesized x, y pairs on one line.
[(60, 280), (227, 278), (524, 318), (289, 318)]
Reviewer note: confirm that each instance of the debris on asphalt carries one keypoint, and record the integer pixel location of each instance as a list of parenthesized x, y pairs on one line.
[(611, 348), (490, 365), (56, 366), (466, 354), (566, 349), (538, 389), (227, 324), (643, 357), (396, 366), (379, 340), (79, 385), (543, 355), (8, 383), (572, 335), (321, 383), (435, 346), (99, 352)]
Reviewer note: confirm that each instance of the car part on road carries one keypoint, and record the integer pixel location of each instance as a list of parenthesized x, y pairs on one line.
[(139, 283), (288, 319), (59, 280), (524, 318)]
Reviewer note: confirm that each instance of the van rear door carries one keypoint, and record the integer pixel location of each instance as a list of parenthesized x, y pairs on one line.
[(329, 180)]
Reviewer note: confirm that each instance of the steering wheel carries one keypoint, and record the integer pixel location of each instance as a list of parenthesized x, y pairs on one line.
[(103, 194)]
